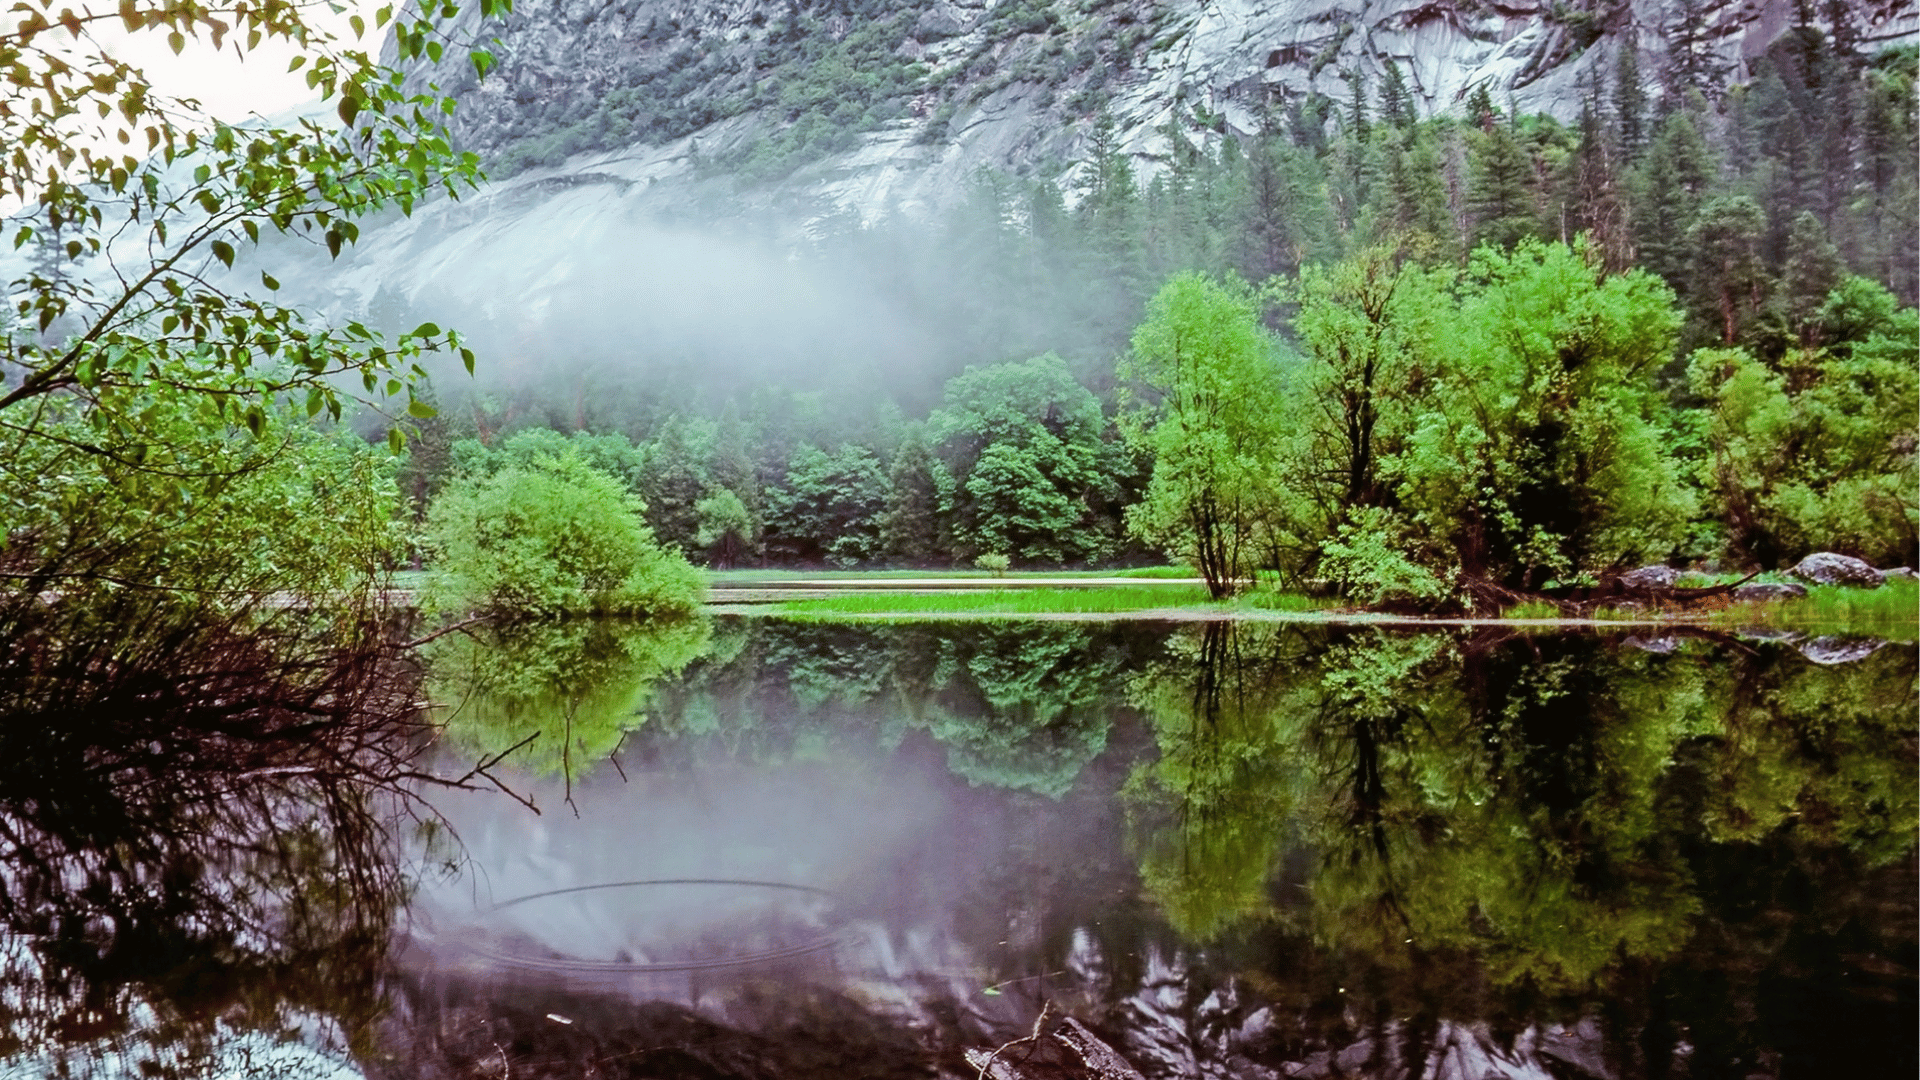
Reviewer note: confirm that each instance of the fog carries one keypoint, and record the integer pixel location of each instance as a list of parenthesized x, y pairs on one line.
[(895, 847), (600, 305)]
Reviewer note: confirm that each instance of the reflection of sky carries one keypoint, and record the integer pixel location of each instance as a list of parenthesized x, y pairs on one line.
[(247, 1055), (849, 827)]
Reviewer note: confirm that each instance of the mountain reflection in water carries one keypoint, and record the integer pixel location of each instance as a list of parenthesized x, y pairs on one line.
[(1234, 850)]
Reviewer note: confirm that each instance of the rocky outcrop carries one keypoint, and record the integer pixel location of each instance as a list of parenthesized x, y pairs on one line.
[(1828, 568), (676, 92)]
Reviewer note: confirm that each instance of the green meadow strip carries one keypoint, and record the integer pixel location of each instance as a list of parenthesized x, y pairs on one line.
[(1891, 611), (1036, 601)]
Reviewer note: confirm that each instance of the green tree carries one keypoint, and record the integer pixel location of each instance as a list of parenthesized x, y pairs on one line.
[(832, 506), (1629, 102), (1818, 454), (553, 537), (1674, 177), (913, 529), (1366, 327), (1030, 464), (674, 478), (726, 528), (1210, 420), (1728, 276), (1542, 455), (1501, 201)]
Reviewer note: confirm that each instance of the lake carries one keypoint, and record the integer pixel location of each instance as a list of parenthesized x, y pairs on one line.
[(747, 847)]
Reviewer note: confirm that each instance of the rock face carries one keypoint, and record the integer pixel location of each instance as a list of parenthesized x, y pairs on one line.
[(1827, 568), (620, 130), (869, 108)]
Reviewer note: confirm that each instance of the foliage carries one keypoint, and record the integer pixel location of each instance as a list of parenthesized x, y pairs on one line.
[(1366, 560), (167, 322), (206, 518), (831, 506), (552, 537), (726, 527), (1030, 467), (1211, 427), (562, 694), (1541, 455), (993, 562), (1817, 453)]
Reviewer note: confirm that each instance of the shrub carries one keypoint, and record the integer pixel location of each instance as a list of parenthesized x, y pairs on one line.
[(550, 537), (1366, 563)]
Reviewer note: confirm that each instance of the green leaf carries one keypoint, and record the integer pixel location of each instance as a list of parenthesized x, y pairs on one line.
[(349, 108), (269, 280), (395, 440), (421, 410), (224, 252), (425, 330)]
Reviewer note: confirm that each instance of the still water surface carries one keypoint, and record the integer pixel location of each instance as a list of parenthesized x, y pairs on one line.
[(768, 849)]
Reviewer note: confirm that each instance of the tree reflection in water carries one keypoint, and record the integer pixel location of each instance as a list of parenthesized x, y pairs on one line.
[(1702, 845), (196, 828), (555, 697), (1368, 838)]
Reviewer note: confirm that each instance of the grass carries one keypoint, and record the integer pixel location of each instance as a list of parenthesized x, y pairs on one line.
[(1041, 601), (1891, 611), (749, 577)]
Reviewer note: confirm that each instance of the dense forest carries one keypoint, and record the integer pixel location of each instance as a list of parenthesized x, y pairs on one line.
[(1362, 346)]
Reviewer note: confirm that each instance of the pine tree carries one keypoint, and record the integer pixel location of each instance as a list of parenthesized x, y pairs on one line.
[(1417, 193), (1359, 126), (1396, 103), (1673, 182), (1728, 275), (1692, 62), (1629, 103), (1480, 110), (912, 528), (1500, 200), (1593, 204), (1812, 270)]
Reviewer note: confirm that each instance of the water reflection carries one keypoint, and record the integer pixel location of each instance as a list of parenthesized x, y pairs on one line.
[(196, 836), (1231, 848), (557, 696)]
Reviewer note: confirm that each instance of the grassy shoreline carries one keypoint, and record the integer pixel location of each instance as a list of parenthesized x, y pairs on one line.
[(1891, 611)]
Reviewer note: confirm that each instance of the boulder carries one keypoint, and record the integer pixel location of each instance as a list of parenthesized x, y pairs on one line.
[(1651, 577), (1760, 590), (1828, 568), (1899, 572)]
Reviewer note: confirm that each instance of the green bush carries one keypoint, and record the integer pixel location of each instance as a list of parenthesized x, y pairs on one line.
[(550, 537)]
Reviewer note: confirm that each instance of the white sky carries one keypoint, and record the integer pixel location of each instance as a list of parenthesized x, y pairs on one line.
[(228, 87)]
